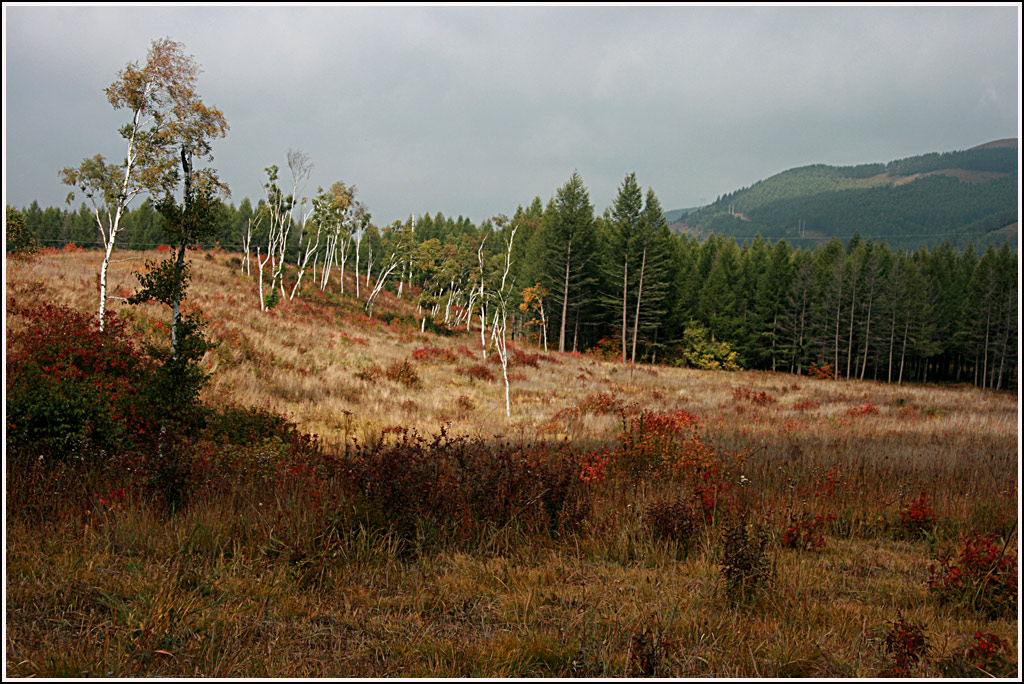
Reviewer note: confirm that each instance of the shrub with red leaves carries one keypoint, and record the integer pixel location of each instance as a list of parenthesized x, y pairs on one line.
[(991, 656), (415, 487), (434, 355), (661, 443), (866, 409), (522, 358), (806, 404), (983, 577), (403, 372), (805, 532), (607, 348), (907, 644), (71, 387), (917, 519), (600, 402), (825, 372), (754, 397), (479, 372)]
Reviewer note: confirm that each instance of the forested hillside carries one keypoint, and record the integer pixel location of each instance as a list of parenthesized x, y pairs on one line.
[(959, 197), (623, 284)]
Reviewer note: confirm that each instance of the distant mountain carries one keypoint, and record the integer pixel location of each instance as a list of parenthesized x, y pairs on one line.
[(679, 214), (913, 202)]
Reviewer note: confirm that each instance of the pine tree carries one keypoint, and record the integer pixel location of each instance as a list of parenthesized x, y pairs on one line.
[(719, 302), (623, 224), (569, 250), (651, 246)]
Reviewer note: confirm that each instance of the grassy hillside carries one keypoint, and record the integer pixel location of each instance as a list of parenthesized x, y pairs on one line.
[(625, 521), (913, 202)]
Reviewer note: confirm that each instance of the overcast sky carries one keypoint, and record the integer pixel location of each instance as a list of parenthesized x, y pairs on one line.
[(475, 110)]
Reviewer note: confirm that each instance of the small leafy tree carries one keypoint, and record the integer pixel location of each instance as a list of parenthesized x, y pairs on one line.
[(533, 300), (180, 378), (704, 352), (20, 240)]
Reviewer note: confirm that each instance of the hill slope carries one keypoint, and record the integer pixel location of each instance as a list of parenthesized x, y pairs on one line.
[(626, 520), (913, 202)]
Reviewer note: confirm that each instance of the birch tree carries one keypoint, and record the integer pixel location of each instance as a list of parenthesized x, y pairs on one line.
[(499, 323), (312, 247), (157, 97), (277, 210), (386, 269), (340, 213)]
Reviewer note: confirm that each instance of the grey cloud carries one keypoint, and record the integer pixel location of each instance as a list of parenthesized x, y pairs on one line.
[(476, 110)]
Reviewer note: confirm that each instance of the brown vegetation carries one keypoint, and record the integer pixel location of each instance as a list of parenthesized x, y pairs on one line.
[(666, 552)]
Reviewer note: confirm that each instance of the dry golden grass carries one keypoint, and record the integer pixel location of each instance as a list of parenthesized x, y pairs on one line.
[(210, 593)]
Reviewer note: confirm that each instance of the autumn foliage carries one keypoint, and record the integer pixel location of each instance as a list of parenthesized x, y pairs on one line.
[(72, 388)]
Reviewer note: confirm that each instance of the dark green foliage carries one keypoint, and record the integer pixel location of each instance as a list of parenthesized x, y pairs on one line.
[(809, 202), (20, 240), (899, 214), (568, 243)]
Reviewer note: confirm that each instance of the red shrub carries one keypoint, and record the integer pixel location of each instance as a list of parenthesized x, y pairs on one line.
[(983, 577), (907, 644), (353, 339), (479, 372), (754, 397), (434, 355), (866, 409), (607, 348), (991, 655), (806, 533), (600, 402), (917, 518), (403, 372), (71, 386), (371, 373), (825, 372), (459, 484), (521, 358)]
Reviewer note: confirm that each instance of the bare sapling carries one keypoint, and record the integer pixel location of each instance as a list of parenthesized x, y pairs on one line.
[(499, 323), (386, 270)]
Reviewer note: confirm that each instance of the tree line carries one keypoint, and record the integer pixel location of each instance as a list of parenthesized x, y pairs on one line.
[(558, 275), (621, 283)]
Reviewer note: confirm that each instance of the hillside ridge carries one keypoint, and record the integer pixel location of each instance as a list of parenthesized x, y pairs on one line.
[(959, 196)]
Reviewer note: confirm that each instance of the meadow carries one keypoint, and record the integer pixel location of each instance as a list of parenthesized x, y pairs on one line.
[(357, 504)]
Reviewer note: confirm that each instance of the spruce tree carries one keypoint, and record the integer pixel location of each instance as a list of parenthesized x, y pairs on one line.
[(569, 251)]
